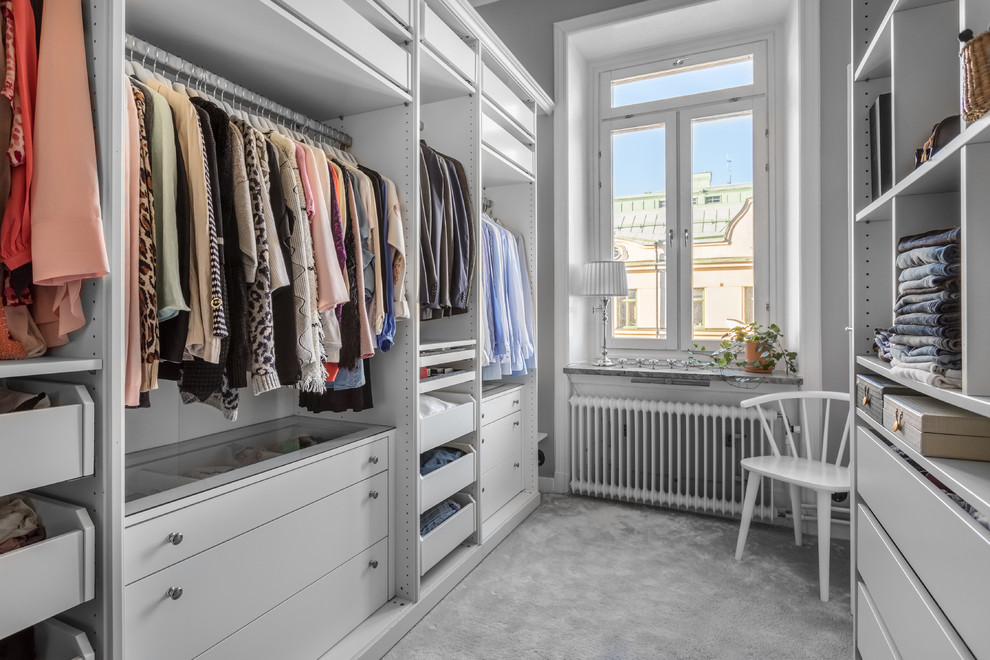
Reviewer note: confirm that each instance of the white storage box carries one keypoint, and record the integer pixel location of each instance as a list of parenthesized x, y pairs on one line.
[(46, 578), (447, 45), (46, 446), (441, 541), (443, 482), (450, 424)]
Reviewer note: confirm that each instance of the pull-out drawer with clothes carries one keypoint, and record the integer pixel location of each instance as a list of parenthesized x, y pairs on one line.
[(873, 640), (48, 577), (342, 24), (161, 537), (949, 552), (443, 482), (443, 426), (913, 619), (442, 540), (362, 580), (43, 446), (235, 582)]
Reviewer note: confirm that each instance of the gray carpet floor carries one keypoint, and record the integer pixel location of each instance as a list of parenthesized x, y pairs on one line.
[(587, 578)]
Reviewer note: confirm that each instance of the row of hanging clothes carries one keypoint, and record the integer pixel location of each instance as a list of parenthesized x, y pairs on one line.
[(256, 255), (507, 315), (51, 227), (447, 252)]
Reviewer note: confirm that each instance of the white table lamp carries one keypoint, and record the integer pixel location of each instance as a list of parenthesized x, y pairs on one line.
[(604, 279)]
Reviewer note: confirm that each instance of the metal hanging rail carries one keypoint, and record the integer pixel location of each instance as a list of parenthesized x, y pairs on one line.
[(138, 50)]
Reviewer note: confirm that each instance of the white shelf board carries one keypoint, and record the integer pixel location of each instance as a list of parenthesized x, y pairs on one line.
[(977, 404), (939, 175), (968, 479), (497, 170), (298, 67), (446, 344), (876, 60), (47, 366), (444, 380), (508, 123), (438, 81), (446, 357)]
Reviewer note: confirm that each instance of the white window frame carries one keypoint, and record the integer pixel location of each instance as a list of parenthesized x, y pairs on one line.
[(676, 115)]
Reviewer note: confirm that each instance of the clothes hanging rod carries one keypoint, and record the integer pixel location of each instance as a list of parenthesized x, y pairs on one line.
[(141, 51)]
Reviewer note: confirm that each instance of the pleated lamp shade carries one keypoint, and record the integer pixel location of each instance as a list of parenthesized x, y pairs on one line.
[(604, 278)]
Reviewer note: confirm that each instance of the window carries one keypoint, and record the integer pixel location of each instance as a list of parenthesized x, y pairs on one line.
[(684, 192), (626, 312)]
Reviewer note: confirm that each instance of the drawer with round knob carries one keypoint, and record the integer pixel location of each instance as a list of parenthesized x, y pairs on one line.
[(500, 440), (213, 594), (498, 406), (163, 540)]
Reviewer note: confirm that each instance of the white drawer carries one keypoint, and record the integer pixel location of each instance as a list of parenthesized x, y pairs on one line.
[(499, 485), (946, 548), (447, 45), (500, 440), (55, 640), (502, 96), (440, 484), (43, 447), (501, 141), (873, 641), (206, 523), (234, 583), (912, 618), (48, 577), (448, 425), (442, 540), (499, 406), (317, 617), (340, 23)]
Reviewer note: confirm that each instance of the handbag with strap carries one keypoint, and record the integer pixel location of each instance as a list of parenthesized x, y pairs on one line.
[(942, 134)]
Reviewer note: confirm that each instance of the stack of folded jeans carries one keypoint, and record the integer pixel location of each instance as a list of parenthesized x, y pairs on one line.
[(925, 343)]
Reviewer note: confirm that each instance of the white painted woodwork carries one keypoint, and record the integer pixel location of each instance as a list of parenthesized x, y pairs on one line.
[(443, 539), (235, 582), (902, 602), (500, 484), (500, 440), (48, 445), (914, 513), (53, 575), (873, 641)]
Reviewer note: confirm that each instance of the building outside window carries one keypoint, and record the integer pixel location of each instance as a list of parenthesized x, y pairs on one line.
[(684, 191)]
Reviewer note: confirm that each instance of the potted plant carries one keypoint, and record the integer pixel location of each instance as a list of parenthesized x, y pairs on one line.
[(761, 347)]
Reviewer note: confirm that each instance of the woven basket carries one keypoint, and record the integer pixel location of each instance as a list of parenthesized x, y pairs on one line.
[(976, 77)]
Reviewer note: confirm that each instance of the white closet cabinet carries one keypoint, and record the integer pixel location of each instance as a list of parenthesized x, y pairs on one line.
[(317, 552), (920, 559)]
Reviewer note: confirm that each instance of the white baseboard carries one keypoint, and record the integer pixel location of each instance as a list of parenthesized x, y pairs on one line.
[(547, 485)]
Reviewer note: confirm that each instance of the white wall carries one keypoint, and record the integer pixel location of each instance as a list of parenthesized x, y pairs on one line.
[(526, 27)]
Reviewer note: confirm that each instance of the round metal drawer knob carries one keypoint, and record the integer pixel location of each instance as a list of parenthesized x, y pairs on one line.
[(373, 460), (175, 593), (373, 494), (373, 563), (175, 538)]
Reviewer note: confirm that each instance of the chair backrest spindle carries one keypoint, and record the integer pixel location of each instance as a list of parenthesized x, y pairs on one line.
[(824, 400)]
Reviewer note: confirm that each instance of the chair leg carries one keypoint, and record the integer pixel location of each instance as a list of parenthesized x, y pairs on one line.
[(824, 501), (752, 490), (796, 508)]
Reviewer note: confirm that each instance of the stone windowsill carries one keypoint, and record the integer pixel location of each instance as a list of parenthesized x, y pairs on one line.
[(665, 375)]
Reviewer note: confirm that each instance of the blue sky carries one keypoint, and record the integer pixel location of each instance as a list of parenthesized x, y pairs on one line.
[(638, 156)]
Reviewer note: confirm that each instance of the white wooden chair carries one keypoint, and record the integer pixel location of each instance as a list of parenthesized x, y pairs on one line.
[(800, 471)]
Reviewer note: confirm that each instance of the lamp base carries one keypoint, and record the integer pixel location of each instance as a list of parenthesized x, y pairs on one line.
[(604, 362)]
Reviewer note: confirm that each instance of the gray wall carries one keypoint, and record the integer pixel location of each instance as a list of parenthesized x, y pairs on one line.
[(526, 27)]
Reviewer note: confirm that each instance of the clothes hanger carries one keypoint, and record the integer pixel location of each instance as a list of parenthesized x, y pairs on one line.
[(160, 59), (140, 72)]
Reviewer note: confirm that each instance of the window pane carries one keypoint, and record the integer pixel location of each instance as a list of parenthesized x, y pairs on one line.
[(722, 222), (682, 81), (638, 226)]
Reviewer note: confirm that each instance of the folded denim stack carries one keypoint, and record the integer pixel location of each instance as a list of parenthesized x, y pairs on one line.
[(925, 343)]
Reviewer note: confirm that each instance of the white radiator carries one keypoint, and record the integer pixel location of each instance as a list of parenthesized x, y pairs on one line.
[(683, 455)]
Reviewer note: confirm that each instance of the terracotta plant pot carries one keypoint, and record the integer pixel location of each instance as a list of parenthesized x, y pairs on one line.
[(753, 351)]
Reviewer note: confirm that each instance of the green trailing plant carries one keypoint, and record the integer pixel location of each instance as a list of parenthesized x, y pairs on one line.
[(769, 349)]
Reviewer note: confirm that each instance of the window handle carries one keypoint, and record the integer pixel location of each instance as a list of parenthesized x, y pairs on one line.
[(687, 238), (670, 237)]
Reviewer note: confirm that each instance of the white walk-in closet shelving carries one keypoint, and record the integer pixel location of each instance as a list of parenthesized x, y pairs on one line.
[(921, 559), (315, 553)]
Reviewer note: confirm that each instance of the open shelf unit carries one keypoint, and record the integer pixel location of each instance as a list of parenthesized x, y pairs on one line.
[(949, 190)]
